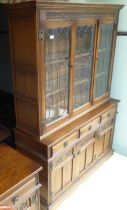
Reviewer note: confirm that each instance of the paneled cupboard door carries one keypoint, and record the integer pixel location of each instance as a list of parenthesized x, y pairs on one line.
[(104, 54), (62, 173)]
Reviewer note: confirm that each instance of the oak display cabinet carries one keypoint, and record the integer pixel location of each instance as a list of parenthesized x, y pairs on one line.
[(62, 56)]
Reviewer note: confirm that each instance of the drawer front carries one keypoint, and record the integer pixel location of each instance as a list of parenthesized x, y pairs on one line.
[(86, 140), (16, 196), (32, 202), (66, 142), (109, 114), (60, 159), (89, 127), (29, 201)]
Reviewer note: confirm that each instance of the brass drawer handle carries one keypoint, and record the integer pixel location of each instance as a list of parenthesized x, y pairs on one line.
[(109, 114), (25, 206), (113, 121), (96, 134), (90, 127), (15, 199), (65, 144)]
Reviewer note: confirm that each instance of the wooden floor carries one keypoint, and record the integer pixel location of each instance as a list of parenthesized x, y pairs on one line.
[(104, 187)]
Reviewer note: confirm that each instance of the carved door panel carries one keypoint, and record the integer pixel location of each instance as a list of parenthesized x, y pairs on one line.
[(80, 162), (103, 142), (61, 173), (98, 146), (108, 139), (84, 154), (89, 154)]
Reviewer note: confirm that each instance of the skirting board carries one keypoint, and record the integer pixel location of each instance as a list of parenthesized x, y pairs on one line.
[(120, 149)]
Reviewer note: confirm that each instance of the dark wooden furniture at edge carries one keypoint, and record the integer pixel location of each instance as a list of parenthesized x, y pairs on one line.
[(19, 180), (62, 56)]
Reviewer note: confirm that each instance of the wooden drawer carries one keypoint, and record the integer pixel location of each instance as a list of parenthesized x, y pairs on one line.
[(18, 194), (86, 140), (89, 127), (66, 142), (109, 114), (30, 201)]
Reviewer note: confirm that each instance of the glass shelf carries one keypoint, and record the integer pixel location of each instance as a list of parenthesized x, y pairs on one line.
[(58, 59), (85, 54)]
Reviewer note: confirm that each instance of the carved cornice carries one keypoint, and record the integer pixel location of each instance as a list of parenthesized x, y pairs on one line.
[(71, 15), (74, 15)]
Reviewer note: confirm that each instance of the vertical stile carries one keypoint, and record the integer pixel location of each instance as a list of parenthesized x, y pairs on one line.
[(97, 42), (72, 61)]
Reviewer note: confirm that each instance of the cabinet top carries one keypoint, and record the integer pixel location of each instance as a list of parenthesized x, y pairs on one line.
[(66, 4), (15, 169)]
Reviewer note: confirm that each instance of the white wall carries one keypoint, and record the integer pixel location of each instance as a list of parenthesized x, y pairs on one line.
[(119, 80), (119, 84)]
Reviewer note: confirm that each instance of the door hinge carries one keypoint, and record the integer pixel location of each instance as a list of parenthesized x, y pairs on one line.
[(115, 26), (94, 157), (52, 194), (51, 167), (43, 122), (41, 35)]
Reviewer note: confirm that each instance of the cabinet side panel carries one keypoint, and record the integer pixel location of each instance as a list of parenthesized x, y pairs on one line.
[(30, 142), (27, 119), (25, 84), (24, 47), (23, 41)]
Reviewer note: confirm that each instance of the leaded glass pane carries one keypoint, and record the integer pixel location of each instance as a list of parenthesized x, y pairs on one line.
[(83, 65), (104, 54), (57, 73)]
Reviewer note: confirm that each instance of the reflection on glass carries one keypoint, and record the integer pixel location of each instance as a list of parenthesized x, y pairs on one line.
[(57, 72), (83, 65), (102, 73)]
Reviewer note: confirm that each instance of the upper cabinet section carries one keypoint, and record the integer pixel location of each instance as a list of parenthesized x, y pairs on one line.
[(77, 57), (62, 55)]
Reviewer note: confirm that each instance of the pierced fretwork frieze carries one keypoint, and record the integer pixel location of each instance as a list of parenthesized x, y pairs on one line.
[(56, 15)]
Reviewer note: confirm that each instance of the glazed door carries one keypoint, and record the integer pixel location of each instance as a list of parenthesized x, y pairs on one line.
[(103, 71), (83, 69), (68, 68), (57, 63)]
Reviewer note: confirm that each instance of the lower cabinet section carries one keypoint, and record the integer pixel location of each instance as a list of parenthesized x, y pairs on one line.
[(68, 167), (71, 157)]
